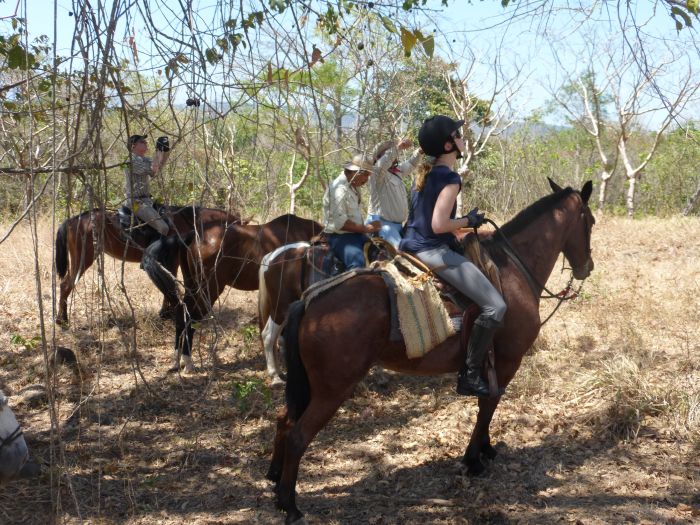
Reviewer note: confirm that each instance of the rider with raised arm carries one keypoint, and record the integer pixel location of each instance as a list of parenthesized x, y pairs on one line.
[(430, 235), (138, 173), (388, 202)]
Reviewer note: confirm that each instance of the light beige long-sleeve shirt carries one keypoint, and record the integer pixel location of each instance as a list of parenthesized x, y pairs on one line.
[(341, 203)]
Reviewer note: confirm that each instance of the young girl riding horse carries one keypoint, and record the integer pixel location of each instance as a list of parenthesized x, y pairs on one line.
[(430, 236)]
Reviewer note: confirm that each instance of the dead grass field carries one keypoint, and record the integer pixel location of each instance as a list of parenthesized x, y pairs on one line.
[(601, 425)]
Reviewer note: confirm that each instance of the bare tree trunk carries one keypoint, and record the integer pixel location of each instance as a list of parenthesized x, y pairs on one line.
[(603, 195), (292, 189), (692, 201), (630, 193)]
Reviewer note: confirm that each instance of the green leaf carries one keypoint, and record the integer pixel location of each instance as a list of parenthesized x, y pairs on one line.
[(388, 24), (278, 5), (212, 55), (429, 45), (692, 6), (17, 57), (408, 40)]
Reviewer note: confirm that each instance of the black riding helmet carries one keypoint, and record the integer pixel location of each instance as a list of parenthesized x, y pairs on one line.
[(435, 131)]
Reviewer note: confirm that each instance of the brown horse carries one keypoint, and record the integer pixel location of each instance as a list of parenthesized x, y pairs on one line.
[(223, 255), (80, 237), (283, 276), (345, 331)]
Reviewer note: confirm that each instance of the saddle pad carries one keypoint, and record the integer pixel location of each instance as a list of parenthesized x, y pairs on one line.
[(423, 319)]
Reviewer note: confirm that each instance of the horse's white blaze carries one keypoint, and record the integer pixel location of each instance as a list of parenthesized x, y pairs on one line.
[(14, 455)]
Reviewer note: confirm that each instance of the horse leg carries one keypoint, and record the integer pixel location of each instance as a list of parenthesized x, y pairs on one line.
[(480, 442), (184, 332), (314, 418), (270, 336), (66, 288), (80, 261), (171, 263), (274, 473)]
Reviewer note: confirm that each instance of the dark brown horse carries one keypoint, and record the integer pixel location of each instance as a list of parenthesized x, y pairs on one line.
[(344, 332), (221, 256), (81, 237)]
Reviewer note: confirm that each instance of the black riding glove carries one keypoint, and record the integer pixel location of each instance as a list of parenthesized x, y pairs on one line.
[(162, 144), (475, 218)]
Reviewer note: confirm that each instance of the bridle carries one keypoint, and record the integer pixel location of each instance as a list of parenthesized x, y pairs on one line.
[(13, 436), (16, 433), (568, 293)]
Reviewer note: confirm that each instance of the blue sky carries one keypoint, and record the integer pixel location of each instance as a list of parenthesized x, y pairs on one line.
[(483, 28)]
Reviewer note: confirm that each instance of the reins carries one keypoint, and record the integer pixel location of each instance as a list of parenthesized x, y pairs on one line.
[(16, 433), (566, 294)]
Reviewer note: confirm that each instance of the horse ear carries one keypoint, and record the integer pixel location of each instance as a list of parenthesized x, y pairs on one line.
[(555, 187), (586, 191)]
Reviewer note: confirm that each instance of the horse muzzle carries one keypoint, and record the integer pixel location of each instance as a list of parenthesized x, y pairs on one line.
[(12, 459), (582, 272)]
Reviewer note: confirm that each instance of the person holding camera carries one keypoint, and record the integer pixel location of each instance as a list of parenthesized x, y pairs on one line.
[(138, 174), (430, 235)]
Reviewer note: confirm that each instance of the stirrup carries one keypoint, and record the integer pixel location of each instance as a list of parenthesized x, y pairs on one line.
[(468, 388)]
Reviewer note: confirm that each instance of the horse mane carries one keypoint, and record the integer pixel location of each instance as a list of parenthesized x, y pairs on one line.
[(188, 213), (529, 214)]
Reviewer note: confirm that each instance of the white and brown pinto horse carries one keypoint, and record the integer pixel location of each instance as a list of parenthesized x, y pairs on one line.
[(13, 449)]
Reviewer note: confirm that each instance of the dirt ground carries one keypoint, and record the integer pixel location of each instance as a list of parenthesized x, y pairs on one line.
[(601, 425)]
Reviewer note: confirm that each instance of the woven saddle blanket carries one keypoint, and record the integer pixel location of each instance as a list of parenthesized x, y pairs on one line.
[(418, 314)]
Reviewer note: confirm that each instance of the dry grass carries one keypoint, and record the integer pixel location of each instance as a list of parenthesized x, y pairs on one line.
[(601, 424)]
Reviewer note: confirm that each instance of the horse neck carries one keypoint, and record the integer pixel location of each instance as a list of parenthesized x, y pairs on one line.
[(539, 244)]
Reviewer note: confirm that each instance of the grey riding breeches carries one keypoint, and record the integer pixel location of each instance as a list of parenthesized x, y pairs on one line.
[(148, 214), (461, 273)]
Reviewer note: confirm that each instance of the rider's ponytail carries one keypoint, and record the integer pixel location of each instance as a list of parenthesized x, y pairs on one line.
[(423, 170)]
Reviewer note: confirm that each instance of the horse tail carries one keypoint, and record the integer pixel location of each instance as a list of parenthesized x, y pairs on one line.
[(151, 262), (297, 390), (62, 249)]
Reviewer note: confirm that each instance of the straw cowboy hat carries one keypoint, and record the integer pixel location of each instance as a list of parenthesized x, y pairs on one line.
[(360, 162)]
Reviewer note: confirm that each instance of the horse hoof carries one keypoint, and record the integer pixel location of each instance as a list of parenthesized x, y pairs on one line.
[(167, 314), (473, 465), (276, 381), (295, 518), (488, 451), (273, 474)]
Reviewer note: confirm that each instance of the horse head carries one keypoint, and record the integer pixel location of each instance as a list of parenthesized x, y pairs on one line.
[(13, 449), (577, 248)]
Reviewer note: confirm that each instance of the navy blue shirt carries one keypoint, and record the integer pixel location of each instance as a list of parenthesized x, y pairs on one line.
[(419, 230)]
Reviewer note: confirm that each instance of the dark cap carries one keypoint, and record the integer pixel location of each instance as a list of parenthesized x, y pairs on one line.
[(133, 139), (434, 132)]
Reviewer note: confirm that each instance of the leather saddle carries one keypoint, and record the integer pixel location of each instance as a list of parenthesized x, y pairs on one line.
[(323, 263), (137, 231)]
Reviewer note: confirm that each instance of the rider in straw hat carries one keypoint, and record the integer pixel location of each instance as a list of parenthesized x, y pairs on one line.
[(342, 212)]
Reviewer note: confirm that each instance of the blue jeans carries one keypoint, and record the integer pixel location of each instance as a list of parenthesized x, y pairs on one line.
[(348, 247), (390, 232)]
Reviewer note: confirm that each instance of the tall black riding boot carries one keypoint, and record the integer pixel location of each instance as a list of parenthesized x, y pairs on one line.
[(469, 381)]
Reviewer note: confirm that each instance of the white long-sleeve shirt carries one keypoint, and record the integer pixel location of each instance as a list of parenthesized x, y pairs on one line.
[(388, 197)]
